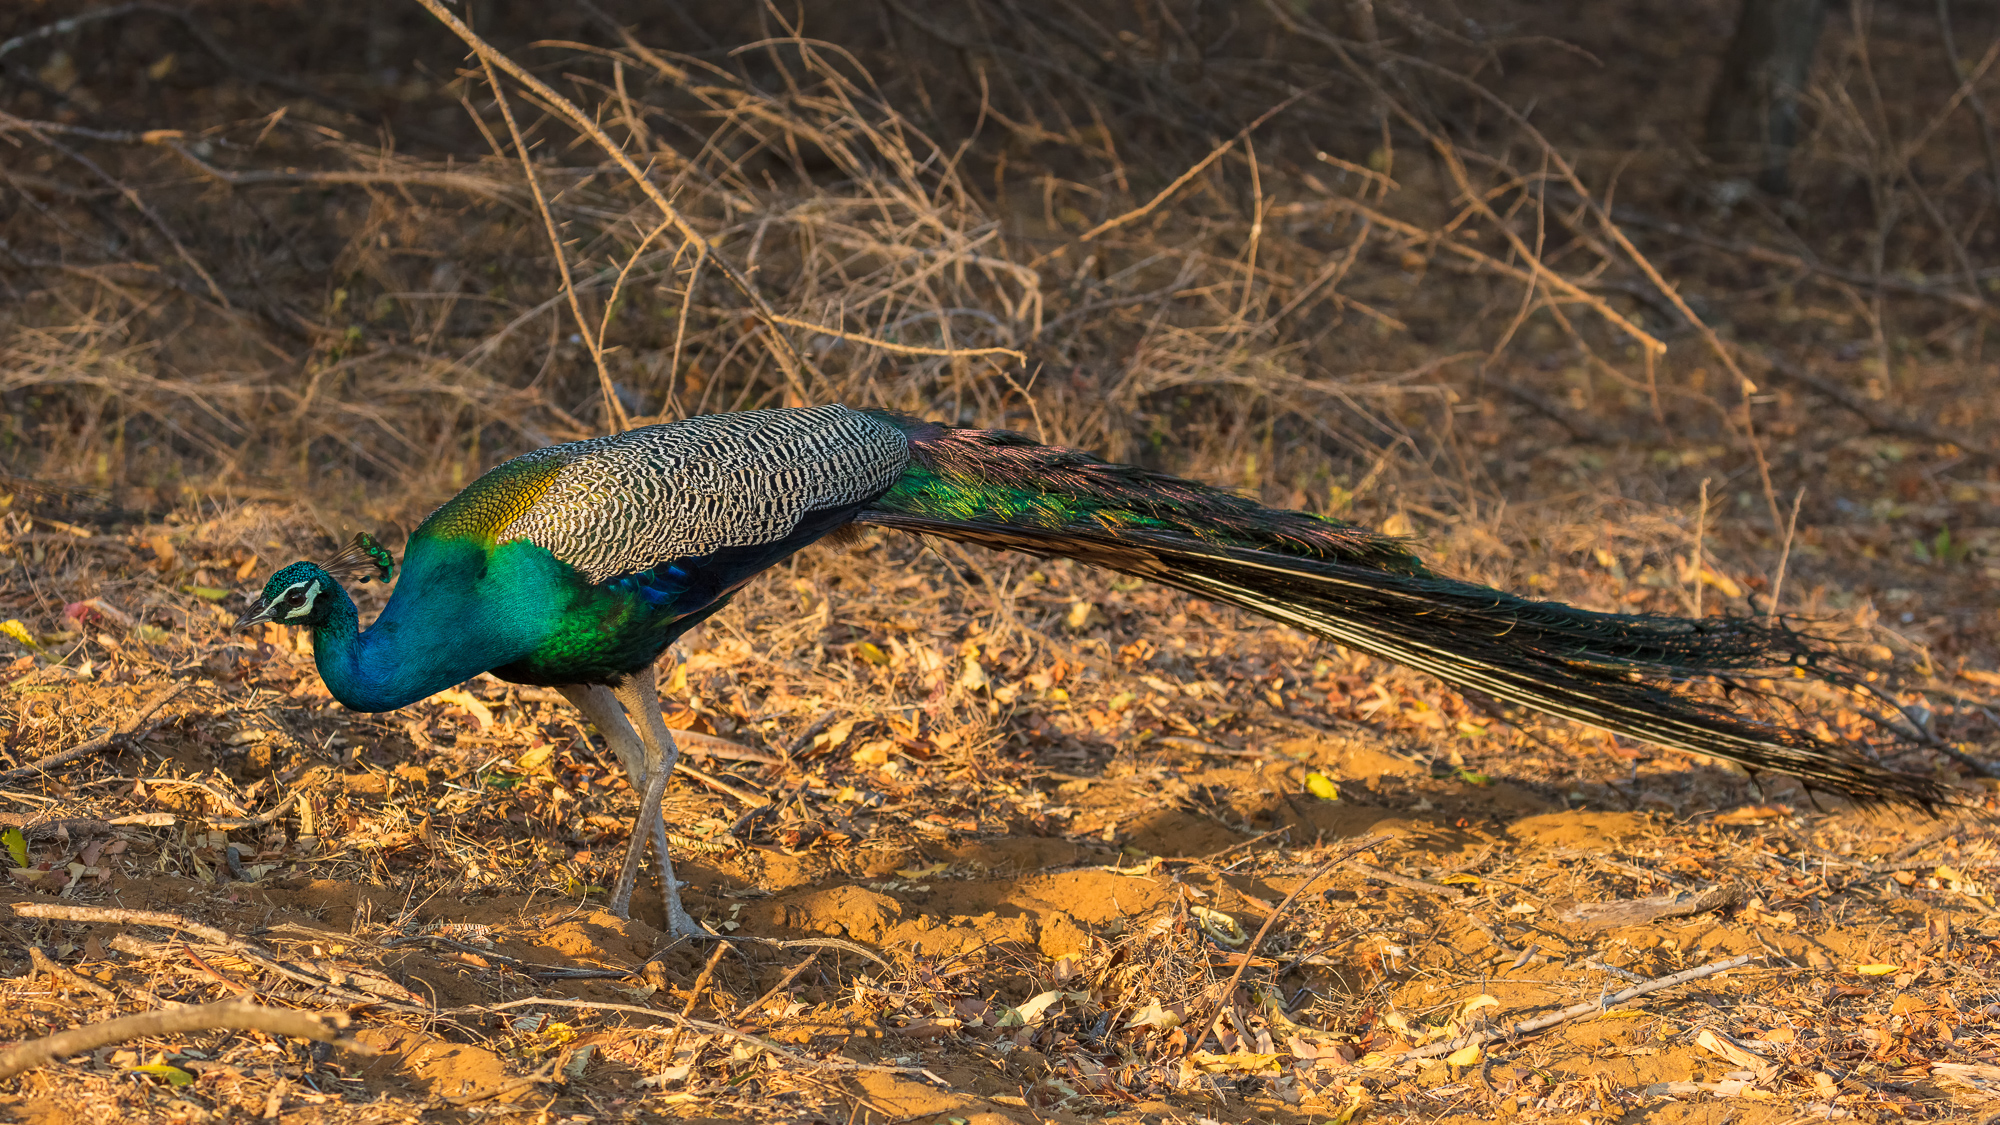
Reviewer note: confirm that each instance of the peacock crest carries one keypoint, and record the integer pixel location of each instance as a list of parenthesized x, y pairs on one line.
[(362, 560)]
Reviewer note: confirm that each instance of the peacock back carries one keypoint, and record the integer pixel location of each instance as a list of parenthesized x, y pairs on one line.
[(627, 503)]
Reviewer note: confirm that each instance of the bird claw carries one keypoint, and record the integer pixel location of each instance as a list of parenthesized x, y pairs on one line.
[(680, 924)]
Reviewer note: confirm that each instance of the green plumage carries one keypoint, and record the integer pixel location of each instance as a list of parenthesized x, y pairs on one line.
[(1124, 504), (1626, 673)]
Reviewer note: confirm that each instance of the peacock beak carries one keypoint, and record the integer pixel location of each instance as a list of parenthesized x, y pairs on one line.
[(260, 612)]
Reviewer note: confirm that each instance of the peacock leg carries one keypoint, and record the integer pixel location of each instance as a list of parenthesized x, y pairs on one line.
[(641, 696), (600, 706), (628, 874)]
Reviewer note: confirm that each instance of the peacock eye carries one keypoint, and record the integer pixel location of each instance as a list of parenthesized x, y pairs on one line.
[(294, 597)]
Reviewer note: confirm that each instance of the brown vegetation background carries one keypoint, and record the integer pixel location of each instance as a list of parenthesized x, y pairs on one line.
[(276, 272)]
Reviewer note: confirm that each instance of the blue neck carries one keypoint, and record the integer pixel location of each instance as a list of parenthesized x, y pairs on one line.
[(334, 649), (362, 675), (439, 630)]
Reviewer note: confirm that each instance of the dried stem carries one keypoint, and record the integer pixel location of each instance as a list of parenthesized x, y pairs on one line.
[(1225, 1000), (1785, 554), (614, 411), (1197, 169), (1575, 1011), (47, 762), (234, 1015)]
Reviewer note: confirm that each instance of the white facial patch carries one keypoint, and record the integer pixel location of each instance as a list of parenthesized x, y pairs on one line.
[(312, 595)]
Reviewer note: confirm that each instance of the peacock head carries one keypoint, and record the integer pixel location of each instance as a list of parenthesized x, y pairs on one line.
[(305, 593)]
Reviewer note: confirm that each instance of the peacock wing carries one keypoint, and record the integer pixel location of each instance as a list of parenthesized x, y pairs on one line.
[(629, 502)]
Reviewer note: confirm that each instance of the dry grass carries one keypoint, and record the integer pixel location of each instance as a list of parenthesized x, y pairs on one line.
[(362, 267)]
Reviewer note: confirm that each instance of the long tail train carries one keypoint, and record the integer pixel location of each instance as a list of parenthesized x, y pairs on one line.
[(1624, 673)]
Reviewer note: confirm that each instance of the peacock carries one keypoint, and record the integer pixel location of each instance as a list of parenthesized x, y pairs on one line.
[(575, 566)]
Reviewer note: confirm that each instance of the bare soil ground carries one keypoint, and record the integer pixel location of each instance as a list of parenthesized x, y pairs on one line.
[(1030, 900), (1021, 843)]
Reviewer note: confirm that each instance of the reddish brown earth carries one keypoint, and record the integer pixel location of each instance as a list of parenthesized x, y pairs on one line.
[(957, 869)]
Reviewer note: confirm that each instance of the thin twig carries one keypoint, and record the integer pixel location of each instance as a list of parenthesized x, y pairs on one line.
[(221, 798), (1563, 284), (1543, 1023), (749, 799), (1229, 990), (899, 349), (681, 326), (1969, 87), (56, 827), (76, 912), (1700, 533), (1937, 837), (820, 722), (1622, 974), (611, 302), (789, 359), (1880, 419), (1404, 881), (526, 968), (695, 990), (1785, 555), (704, 1026), (1181, 742), (783, 982), (262, 818), (1579, 424), (547, 1073), (714, 746), (47, 966), (229, 1014), (455, 181), (1629, 216), (1200, 166), (131, 728), (138, 202), (65, 26), (614, 411), (1492, 933), (1241, 844)]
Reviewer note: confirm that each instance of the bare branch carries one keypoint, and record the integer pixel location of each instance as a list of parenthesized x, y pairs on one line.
[(101, 742), (1543, 1023), (236, 1015)]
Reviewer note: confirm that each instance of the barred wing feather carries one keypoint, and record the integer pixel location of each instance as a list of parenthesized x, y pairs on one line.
[(628, 502)]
